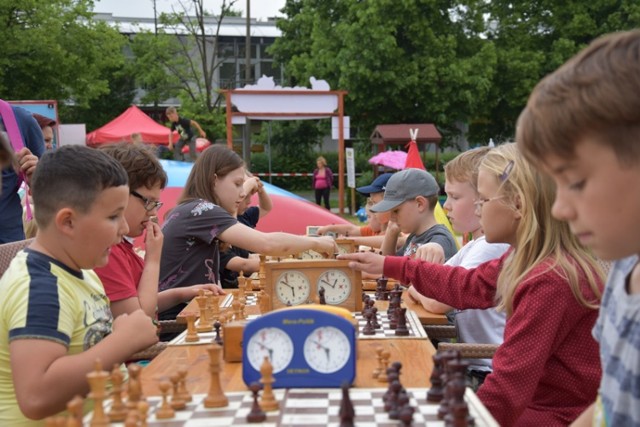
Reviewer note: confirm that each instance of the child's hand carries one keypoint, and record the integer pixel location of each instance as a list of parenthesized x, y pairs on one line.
[(365, 261), (193, 291), (153, 240), (138, 329), (325, 245), (393, 228), (431, 252), (27, 161)]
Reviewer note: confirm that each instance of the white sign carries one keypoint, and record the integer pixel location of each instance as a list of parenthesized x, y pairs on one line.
[(346, 126), (351, 168)]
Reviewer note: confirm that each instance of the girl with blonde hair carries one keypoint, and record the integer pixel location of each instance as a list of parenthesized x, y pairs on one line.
[(547, 370)]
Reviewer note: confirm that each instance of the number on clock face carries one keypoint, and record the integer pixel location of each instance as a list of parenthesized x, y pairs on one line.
[(327, 349), (273, 343), (336, 284), (293, 287)]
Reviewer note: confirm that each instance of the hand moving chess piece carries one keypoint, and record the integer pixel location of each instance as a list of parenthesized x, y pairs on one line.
[(268, 401)]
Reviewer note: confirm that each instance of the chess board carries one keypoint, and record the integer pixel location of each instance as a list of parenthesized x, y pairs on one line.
[(252, 299), (416, 331), (309, 408)]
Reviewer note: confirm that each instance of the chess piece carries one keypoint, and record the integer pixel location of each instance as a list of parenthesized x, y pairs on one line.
[(378, 371), (242, 281), (218, 338), (132, 418), (215, 306), (256, 415), (143, 411), (165, 411), (235, 306), (346, 412), (268, 401), (215, 397), (401, 322), (176, 400), (262, 276), (184, 393), (118, 410), (390, 396), (134, 391), (374, 318), (321, 297), (449, 369), (406, 415), (458, 414), (436, 391), (394, 413), (204, 323), (385, 363), (97, 382), (192, 335), (74, 412), (381, 288), (368, 327), (248, 284)]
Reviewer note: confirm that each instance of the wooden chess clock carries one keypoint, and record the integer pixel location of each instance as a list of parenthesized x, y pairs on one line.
[(307, 347), (293, 282)]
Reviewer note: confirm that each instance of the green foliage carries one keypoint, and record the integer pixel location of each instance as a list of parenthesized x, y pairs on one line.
[(54, 50)]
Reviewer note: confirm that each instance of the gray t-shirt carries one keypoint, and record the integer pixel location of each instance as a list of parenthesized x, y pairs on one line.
[(190, 253), (437, 234)]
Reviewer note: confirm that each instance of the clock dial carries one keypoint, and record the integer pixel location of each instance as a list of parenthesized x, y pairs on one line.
[(327, 349), (310, 254), (293, 287), (271, 342), (336, 284)]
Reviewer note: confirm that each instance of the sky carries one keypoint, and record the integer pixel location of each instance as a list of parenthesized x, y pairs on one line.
[(260, 9)]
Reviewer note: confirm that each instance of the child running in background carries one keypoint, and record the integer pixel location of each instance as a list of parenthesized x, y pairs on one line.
[(130, 282), (546, 372), (473, 326), (54, 317), (205, 214), (582, 126)]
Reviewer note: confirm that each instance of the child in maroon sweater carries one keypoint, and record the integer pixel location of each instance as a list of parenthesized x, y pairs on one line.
[(547, 370)]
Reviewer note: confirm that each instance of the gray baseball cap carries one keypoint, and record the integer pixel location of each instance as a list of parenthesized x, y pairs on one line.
[(406, 185)]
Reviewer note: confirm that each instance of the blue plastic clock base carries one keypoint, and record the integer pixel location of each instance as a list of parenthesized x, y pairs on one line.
[(298, 324)]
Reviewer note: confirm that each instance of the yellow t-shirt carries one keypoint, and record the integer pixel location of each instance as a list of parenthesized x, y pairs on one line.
[(41, 298)]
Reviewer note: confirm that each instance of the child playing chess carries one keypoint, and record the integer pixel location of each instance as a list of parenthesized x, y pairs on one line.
[(130, 282), (581, 125), (205, 214), (546, 372), (473, 326), (374, 227), (234, 260), (54, 317)]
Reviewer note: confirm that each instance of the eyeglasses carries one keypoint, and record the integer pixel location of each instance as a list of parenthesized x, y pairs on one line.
[(478, 204), (504, 176), (149, 205)]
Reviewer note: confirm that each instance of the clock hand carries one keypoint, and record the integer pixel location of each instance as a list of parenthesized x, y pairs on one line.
[(293, 291), (333, 286)]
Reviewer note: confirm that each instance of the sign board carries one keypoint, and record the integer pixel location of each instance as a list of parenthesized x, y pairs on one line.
[(351, 168), (346, 125)]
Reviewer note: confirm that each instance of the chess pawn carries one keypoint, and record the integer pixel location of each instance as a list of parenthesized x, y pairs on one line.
[(143, 411), (242, 281), (134, 391), (184, 393), (436, 391), (386, 355), (176, 400), (256, 415), (215, 397), (165, 411), (192, 335), (74, 411), (268, 401), (376, 372), (248, 286)]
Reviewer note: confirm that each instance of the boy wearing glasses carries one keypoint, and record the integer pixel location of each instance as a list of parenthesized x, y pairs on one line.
[(129, 281)]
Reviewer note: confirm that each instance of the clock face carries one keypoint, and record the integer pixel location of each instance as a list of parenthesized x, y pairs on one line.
[(273, 343), (327, 349), (293, 287), (336, 284), (310, 254)]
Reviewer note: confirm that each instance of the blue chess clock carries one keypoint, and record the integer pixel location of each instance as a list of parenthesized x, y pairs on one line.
[(307, 347)]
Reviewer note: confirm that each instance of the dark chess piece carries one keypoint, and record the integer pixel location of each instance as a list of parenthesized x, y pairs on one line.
[(321, 297), (374, 318), (436, 392), (347, 412), (368, 328), (449, 369), (381, 288), (389, 398), (401, 322), (218, 338), (394, 400), (406, 415), (256, 415), (458, 409)]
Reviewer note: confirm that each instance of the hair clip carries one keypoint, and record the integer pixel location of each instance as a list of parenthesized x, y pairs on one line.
[(507, 171)]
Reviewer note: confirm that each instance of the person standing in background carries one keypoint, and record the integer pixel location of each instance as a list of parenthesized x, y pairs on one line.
[(322, 182), (46, 126), (184, 127)]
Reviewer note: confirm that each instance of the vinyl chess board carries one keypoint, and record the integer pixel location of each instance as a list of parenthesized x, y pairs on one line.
[(416, 331), (309, 408), (252, 299)]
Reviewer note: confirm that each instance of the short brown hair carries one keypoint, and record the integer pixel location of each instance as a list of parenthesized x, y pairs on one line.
[(464, 167), (141, 164), (594, 94)]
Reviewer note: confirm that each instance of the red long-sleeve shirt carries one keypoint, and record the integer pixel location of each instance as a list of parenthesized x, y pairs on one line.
[(547, 371)]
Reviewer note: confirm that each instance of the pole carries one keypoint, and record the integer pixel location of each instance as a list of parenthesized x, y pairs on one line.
[(246, 142)]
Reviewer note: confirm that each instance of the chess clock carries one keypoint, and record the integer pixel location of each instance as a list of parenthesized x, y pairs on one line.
[(308, 347), (346, 246), (291, 282)]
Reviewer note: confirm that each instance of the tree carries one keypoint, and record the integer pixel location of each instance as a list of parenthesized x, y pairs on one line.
[(54, 50), (401, 61)]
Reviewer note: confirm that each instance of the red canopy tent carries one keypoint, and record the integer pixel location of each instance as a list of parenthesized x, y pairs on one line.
[(133, 120)]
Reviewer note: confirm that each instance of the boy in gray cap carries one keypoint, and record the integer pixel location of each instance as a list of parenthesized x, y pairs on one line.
[(411, 196)]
